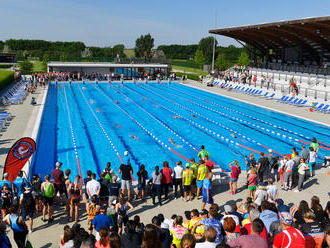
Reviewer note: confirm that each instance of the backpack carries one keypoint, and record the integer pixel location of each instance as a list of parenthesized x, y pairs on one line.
[(28, 202), (49, 191), (237, 172)]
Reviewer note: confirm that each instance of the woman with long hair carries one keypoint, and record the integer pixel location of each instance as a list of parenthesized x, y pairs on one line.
[(122, 211), (67, 184), (150, 237), (114, 240), (236, 170), (142, 177), (104, 239), (166, 178), (317, 208), (156, 181), (297, 213), (130, 237), (75, 192)]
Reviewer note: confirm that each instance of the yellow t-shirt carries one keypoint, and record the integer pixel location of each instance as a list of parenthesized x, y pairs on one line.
[(194, 168), (202, 170), (187, 177), (200, 229)]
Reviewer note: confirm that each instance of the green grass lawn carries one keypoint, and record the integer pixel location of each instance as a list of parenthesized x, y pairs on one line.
[(38, 66), (6, 77), (129, 52)]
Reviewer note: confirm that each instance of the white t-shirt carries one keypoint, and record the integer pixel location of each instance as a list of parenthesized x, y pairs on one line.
[(289, 165), (178, 170), (272, 190), (93, 186), (312, 156), (206, 244), (302, 169), (261, 196), (235, 218)]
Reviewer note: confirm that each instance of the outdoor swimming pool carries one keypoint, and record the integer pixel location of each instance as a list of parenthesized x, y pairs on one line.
[(90, 124)]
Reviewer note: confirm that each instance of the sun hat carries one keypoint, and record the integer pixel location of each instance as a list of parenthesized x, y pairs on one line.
[(286, 218), (58, 164)]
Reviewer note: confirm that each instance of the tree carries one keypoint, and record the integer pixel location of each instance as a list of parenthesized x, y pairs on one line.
[(86, 53), (243, 59), (26, 67), (199, 57), (143, 46), (206, 46), (223, 63)]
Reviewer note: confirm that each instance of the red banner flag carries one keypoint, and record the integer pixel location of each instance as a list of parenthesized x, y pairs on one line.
[(18, 155)]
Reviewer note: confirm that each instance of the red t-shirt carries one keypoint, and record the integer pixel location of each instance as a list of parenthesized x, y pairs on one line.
[(247, 230), (167, 175), (57, 176), (235, 172), (290, 237), (209, 164)]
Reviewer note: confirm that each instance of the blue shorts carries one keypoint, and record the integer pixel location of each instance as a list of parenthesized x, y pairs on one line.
[(141, 187), (27, 213), (200, 184), (233, 179), (205, 199)]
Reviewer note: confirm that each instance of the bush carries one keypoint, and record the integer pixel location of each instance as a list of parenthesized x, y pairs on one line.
[(26, 67), (189, 75), (5, 65), (6, 77)]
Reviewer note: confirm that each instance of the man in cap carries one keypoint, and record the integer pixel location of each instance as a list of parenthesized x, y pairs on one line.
[(59, 183), (102, 220), (290, 237), (187, 177)]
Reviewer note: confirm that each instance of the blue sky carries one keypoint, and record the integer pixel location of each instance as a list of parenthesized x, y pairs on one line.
[(109, 22)]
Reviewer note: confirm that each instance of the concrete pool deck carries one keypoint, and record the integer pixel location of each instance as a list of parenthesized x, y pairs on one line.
[(47, 235)]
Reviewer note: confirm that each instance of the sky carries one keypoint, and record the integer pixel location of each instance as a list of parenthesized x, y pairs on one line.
[(110, 22)]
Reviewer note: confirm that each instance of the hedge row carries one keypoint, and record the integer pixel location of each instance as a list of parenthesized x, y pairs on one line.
[(5, 65), (189, 75), (6, 77)]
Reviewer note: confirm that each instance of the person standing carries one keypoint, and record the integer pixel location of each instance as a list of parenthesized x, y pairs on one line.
[(86, 180), (17, 224), (142, 175), (59, 182), (156, 188), (93, 187), (315, 145), (48, 190), (236, 170), (207, 190), (312, 160), (19, 184), (126, 172), (194, 167), (122, 209), (166, 178), (102, 220), (263, 167), (203, 153), (252, 182), (92, 210), (302, 168), (6, 180), (304, 153), (75, 191), (187, 176), (28, 205), (178, 170), (201, 174), (287, 175)]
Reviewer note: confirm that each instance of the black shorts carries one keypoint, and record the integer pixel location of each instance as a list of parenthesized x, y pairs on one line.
[(59, 188), (187, 188), (194, 182), (122, 220), (75, 202), (48, 201)]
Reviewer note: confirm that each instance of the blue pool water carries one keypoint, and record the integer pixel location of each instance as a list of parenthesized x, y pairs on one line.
[(157, 114)]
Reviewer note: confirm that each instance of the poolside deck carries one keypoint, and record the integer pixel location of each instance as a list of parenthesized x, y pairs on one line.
[(301, 112)]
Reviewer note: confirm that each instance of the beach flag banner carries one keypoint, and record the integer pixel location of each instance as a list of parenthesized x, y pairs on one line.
[(18, 155)]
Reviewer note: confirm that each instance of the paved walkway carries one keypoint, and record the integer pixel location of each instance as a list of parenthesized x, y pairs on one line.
[(301, 112), (47, 235)]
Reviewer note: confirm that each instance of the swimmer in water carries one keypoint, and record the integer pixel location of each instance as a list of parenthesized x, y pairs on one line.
[(234, 136), (176, 117), (193, 115), (117, 102), (133, 136), (98, 111), (144, 99), (91, 101), (118, 126), (173, 143), (84, 88)]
